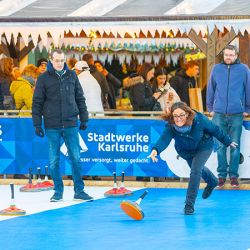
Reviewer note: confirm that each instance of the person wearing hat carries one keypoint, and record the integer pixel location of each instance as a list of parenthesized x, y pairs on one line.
[(91, 88), (42, 65), (92, 91)]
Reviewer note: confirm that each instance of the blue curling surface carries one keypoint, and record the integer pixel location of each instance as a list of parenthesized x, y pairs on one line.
[(220, 222)]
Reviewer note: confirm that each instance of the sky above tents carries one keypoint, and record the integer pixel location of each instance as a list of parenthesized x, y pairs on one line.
[(121, 8)]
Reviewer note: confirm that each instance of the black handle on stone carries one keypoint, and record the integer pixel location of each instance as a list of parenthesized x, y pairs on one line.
[(12, 190), (114, 173), (144, 194), (46, 170), (123, 174), (39, 172), (30, 175)]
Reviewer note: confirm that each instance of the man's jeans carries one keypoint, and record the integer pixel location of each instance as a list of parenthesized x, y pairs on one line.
[(198, 170), (232, 125), (71, 139)]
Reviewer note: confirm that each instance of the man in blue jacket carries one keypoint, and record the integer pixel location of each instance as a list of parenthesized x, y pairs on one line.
[(228, 101), (59, 99)]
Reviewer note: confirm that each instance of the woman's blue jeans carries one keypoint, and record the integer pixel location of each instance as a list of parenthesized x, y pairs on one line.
[(198, 170), (232, 125), (71, 139)]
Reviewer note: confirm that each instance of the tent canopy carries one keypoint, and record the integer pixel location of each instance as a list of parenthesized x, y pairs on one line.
[(119, 17), (41, 21), (35, 27)]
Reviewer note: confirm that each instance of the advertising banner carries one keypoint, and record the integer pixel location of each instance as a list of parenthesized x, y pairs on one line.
[(107, 145)]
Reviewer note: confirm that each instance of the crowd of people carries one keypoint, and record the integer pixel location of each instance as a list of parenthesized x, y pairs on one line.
[(61, 90), (16, 86), (102, 88)]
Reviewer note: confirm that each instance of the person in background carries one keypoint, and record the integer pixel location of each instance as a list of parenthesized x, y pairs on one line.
[(92, 92), (16, 72), (160, 84), (6, 77), (90, 86), (101, 79), (141, 94), (42, 65), (71, 61), (228, 101), (58, 100), (22, 89), (193, 133), (185, 79), (114, 84), (1, 99)]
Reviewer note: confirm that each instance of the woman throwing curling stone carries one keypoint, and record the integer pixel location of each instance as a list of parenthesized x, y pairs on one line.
[(193, 133)]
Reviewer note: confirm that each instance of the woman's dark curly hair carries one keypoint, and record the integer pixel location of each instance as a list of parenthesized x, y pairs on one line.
[(180, 105)]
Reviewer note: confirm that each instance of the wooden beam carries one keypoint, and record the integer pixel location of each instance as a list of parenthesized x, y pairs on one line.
[(211, 47), (244, 47), (224, 41), (5, 46), (14, 52), (198, 41), (25, 51), (18, 42)]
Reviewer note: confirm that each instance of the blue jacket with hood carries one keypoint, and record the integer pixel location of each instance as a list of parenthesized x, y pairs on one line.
[(59, 99), (228, 89), (200, 137)]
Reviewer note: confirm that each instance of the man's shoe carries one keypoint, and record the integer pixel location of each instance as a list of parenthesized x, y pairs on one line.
[(234, 182), (207, 191), (56, 197), (221, 182), (188, 209), (82, 196)]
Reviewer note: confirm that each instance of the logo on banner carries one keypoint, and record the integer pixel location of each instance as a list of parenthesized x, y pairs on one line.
[(83, 147), (112, 142)]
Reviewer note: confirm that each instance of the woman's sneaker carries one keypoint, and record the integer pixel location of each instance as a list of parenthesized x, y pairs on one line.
[(207, 191), (188, 209), (82, 196), (56, 197)]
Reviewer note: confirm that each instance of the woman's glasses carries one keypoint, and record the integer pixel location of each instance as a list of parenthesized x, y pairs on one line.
[(180, 116)]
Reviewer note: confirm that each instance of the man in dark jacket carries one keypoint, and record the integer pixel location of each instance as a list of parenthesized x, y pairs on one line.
[(59, 99), (114, 83), (228, 101), (185, 79)]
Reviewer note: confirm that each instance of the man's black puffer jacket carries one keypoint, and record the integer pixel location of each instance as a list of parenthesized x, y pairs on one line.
[(59, 99)]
